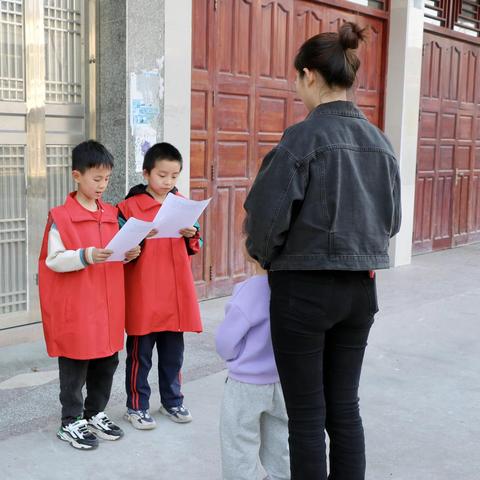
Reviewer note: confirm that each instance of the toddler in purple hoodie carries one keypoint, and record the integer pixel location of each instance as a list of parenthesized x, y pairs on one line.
[(253, 422)]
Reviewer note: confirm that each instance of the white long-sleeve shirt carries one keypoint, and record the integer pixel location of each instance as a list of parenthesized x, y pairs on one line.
[(59, 259)]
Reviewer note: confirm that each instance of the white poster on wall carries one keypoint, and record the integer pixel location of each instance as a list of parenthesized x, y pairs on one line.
[(146, 94)]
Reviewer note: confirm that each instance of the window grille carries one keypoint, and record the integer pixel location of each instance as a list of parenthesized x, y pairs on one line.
[(13, 246), (468, 17), (63, 55), (378, 4), (59, 174), (12, 81), (436, 12), (458, 15)]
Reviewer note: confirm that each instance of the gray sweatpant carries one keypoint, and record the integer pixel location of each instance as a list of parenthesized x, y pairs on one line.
[(253, 426)]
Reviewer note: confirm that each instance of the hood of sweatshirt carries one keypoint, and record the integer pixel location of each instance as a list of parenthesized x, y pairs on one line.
[(142, 188)]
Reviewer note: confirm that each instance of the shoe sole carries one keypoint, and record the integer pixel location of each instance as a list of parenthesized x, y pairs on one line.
[(175, 419), (75, 444), (136, 424), (103, 435)]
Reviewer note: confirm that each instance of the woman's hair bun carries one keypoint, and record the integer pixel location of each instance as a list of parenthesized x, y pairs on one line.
[(350, 35)]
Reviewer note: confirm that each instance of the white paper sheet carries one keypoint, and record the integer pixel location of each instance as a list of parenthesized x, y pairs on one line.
[(177, 213), (129, 236)]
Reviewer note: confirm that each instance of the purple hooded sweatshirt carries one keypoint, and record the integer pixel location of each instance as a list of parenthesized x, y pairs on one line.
[(243, 339)]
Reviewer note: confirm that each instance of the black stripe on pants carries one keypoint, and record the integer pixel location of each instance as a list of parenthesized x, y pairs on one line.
[(320, 323)]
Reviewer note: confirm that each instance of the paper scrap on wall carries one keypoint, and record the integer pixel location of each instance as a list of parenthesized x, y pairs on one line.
[(146, 94)]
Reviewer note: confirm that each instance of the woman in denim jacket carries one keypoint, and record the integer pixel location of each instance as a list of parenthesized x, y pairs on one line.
[(320, 215)]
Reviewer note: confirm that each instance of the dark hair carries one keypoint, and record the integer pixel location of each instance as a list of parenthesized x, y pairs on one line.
[(332, 55), (161, 151), (90, 154)]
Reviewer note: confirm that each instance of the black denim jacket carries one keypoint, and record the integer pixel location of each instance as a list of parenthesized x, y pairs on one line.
[(327, 197)]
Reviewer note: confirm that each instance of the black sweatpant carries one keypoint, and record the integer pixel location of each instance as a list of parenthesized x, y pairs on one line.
[(97, 374), (320, 322)]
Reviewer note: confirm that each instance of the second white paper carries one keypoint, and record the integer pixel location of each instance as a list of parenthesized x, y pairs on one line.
[(177, 213)]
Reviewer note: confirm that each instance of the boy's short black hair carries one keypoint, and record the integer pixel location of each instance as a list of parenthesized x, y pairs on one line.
[(161, 151), (90, 154)]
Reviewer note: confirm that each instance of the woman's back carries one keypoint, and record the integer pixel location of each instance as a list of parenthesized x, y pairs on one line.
[(336, 192)]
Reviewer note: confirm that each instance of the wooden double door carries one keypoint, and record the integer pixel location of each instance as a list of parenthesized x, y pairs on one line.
[(243, 99), (447, 193)]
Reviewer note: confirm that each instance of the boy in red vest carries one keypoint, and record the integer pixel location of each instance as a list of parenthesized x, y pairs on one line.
[(82, 298), (161, 301)]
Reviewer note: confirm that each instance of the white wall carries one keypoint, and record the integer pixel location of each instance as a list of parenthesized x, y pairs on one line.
[(178, 62), (402, 104)]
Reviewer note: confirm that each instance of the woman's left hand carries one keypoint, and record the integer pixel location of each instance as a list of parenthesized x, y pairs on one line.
[(132, 254), (188, 232)]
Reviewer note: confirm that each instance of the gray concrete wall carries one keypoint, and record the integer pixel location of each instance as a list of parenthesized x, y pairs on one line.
[(131, 41), (145, 55), (111, 81)]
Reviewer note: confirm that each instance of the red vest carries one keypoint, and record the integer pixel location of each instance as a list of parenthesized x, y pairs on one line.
[(83, 312), (159, 289)]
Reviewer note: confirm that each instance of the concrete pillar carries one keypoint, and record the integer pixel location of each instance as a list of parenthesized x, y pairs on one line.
[(402, 104), (129, 85), (110, 90), (178, 81), (143, 83)]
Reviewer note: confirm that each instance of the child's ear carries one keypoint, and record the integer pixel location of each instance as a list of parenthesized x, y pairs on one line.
[(76, 176), (145, 174)]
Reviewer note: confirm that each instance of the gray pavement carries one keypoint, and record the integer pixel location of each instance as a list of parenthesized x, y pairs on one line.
[(420, 392)]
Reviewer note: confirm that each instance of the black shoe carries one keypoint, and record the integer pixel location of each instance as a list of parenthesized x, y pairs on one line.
[(78, 435)]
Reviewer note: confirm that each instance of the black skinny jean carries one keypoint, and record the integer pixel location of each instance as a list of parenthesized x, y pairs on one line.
[(97, 374), (320, 323)]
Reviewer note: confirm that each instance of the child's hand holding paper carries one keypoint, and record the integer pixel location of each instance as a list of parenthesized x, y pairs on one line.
[(176, 215)]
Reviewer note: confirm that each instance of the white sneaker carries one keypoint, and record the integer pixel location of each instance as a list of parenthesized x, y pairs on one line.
[(140, 419), (104, 428), (78, 435), (177, 414)]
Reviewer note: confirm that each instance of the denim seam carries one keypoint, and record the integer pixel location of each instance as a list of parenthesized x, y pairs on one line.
[(291, 154), (335, 147), (277, 211), (323, 175), (340, 113)]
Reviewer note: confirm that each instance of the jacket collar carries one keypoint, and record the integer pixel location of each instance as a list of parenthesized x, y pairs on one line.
[(340, 107), (78, 213), (143, 199)]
